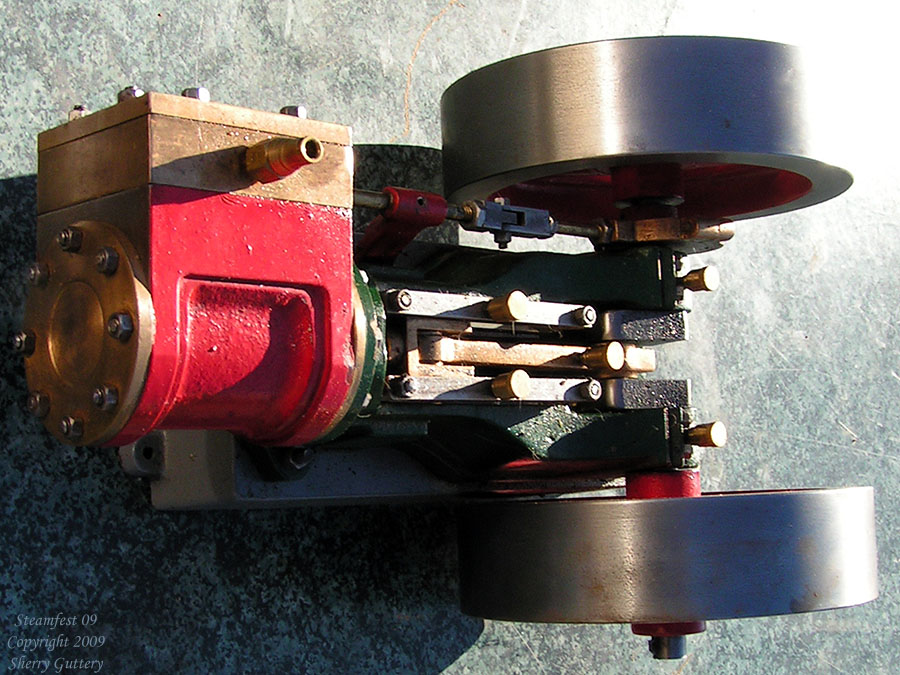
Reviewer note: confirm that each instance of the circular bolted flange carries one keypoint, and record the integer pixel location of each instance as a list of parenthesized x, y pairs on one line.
[(78, 347)]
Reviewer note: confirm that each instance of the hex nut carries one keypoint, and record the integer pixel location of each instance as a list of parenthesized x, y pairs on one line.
[(38, 404), (71, 427), (129, 92), (23, 342), (105, 398), (107, 260), (37, 273), (294, 111), (199, 93), (120, 326), (69, 239)]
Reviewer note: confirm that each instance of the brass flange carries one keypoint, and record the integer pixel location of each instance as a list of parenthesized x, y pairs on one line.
[(94, 326)]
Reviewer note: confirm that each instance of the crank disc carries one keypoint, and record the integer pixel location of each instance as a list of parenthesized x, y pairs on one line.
[(717, 125), (719, 556)]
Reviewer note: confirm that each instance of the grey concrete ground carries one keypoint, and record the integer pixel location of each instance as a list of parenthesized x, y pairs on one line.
[(798, 352)]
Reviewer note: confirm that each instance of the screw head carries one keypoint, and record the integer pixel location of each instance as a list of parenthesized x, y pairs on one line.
[(199, 93), (592, 390), (299, 458), (129, 92), (37, 274), (69, 239), (586, 316), (71, 427), (107, 260), (105, 398), (23, 342), (405, 386), (120, 326), (403, 299), (77, 112), (38, 404), (294, 111)]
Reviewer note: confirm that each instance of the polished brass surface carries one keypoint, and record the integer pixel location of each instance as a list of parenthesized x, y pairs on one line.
[(75, 353), (711, 435), (200, 152), (514, 384), (184, 108), (607, 358), (510, 307), (703, 279), (437, 348), (277, 158)]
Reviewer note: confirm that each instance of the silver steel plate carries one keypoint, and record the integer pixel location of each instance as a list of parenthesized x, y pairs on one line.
[(718, 556), (547, 128)]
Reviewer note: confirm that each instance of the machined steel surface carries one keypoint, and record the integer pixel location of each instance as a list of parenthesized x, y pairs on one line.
[(718, 556), (725, 110)]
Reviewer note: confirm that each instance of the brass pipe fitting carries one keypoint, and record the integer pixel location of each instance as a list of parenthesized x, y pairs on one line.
[(277, 158)]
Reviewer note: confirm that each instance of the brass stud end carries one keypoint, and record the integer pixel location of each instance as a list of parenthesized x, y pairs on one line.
[(712, 435), (72, 427), (120, 326), (69, 239), (703, 279), (514, 384), (608, 357), (510, 307)]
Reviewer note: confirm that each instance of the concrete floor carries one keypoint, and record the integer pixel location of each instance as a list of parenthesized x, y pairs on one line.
[(798, 352)]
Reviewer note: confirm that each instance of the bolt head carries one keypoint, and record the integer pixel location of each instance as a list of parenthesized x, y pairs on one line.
[(586, 316), (406, 386), (294, 111), (129, 92), (37, 274), (404, 299), (592, 390), (69, 239), (77, 112), (38, 404), (105, 398), (107, 260), (71, 427), (120, 326), (199, 93), (299, 458), (23, 342)]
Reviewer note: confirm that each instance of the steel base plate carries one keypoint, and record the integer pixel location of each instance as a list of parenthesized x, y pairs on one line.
[(718, 556), (720, 123)]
